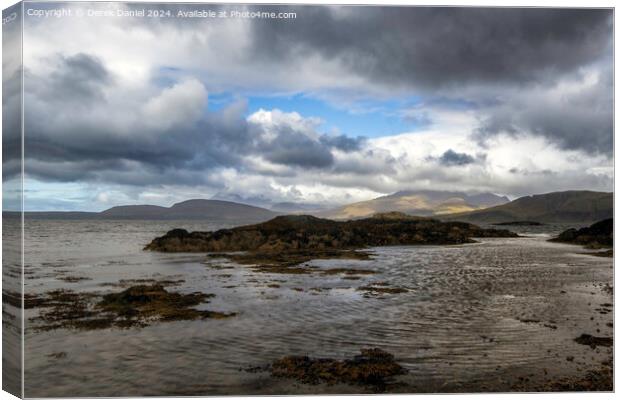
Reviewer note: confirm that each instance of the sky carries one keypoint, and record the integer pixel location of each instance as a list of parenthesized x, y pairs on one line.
[(337, 105)]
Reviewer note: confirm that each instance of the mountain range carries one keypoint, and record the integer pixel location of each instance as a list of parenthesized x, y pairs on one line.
[(568, 206), (192, 209), (485, 208), (423, 203), (197, 209)]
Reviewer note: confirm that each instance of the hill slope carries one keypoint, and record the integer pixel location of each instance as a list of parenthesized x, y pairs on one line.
[(134, 212), (570, 206), (192, 209), (421, 203)]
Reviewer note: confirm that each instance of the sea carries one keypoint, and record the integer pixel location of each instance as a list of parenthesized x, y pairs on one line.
[(493, 315)]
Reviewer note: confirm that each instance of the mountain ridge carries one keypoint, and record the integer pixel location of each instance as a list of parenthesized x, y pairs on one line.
[(565, 206), (195, 209), (192, 209), (424, 203)]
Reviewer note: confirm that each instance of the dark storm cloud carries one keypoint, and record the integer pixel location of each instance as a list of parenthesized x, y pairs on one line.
[(208, 142), (488, 59), (297, 150), (66, 145), (97, 153), (496, 52), (11, 123), (11, 93), (72, 132), (192, 152), (580, 120), (438, 47), (585, 129), (292, 147), (452, 158), (78, 78)]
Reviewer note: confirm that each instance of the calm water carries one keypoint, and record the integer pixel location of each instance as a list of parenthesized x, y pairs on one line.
[(459, 325)]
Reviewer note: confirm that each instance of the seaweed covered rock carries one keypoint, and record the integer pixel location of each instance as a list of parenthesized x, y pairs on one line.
[(138, 305), (305, 232), (594, 341), (372, 367), (154, 302), (596, 235)]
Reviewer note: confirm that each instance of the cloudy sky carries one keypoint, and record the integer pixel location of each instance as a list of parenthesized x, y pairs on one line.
[(339, 104)]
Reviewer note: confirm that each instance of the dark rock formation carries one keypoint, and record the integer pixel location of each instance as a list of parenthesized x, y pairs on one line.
[(304, 232), (519, 223), (597, 235)]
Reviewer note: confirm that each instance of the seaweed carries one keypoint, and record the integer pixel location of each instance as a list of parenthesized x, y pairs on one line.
[(374, 290), (136, 306), (372, 367), (594, 341), (73, 279)]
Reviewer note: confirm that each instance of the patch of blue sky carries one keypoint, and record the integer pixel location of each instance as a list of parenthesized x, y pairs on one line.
[(364, 118), (367, 118), (58, 196)]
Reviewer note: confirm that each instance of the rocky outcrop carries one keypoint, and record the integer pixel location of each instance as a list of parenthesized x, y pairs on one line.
[(597, 235), (304, 232)]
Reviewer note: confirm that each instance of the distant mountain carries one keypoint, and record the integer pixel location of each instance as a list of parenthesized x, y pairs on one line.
[(284, 207), (216, 210), (421, 203), (296, 208), (570, 206), (192, 209), (134, 212), (256, 201)]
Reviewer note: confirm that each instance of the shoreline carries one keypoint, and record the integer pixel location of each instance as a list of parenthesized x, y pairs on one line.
[(236, 283)]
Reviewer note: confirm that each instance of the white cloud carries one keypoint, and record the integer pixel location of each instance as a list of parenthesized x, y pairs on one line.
[(163, 75), (182, 104)]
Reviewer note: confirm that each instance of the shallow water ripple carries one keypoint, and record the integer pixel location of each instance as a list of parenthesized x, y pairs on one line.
[(482, 311)]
